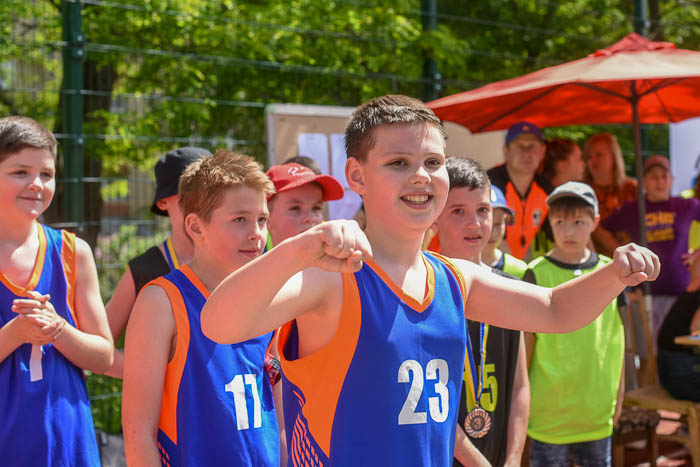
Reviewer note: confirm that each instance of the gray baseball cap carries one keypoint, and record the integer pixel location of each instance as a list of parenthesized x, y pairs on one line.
[(575, 190)]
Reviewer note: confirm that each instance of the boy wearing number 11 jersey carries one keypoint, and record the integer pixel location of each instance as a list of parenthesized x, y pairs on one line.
[(187, 400)]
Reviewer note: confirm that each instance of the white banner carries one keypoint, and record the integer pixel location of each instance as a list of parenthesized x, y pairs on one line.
[(685, 154)]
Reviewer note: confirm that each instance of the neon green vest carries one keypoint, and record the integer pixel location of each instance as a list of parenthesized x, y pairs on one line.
[(574, 377), (514, 266)]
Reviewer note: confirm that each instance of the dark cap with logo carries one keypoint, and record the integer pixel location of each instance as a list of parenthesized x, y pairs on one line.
[(523, 128), (168, 170)]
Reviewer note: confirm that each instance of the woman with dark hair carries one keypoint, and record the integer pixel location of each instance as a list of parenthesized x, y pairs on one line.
[(562, 161), (605, 172)]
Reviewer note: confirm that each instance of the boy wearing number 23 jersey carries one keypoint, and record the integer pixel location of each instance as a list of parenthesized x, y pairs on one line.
[(376, 328), (188, 400)]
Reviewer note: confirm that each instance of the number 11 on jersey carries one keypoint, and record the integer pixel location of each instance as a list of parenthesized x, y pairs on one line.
[(237, 387)]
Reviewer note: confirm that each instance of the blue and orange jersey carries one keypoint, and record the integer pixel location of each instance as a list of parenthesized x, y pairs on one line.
[(217, 406), (44, 405), (385, 390)]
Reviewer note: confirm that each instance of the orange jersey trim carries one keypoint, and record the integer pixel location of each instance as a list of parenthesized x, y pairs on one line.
[(196, 281), (36, 271), (173, 373), (331, 361), (69, 260), (416, 305)]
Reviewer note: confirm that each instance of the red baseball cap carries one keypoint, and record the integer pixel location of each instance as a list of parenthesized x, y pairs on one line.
[(289, 176)]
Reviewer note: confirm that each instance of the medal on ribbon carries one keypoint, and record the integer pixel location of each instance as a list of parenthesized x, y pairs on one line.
[(478, 421)]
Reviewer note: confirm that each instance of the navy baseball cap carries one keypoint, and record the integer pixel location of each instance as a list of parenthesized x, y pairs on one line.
[(498, 200), (575, 190), (523, 128), (168, 170)]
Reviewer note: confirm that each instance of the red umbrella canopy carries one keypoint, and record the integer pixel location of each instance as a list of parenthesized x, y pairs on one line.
[(601, 88)]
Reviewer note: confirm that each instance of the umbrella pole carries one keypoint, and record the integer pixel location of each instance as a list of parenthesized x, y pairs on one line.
[(639, 168), (641, 205)]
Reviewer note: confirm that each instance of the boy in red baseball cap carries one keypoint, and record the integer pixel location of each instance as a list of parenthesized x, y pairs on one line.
[(297, 204)]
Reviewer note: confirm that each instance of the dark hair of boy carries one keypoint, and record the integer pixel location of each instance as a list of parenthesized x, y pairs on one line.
[(17, 133), (466, 172), (385, 110), (306, 161), (558, 150), (570, 205)]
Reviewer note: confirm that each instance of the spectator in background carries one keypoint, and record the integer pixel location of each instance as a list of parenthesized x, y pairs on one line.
[(306, 162), (562, 163), (491, 255), (525, 189), (605, 172), (667, 223), (158, 260), (297, 204)]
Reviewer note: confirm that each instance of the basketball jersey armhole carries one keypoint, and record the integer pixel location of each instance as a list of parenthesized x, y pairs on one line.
[(69, 260), (458, 275), (175, 368)]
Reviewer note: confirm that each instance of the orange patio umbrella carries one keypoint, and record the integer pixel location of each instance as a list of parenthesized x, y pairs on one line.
[(633, 81)]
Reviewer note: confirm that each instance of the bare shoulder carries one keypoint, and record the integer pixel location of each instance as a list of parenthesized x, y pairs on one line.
[(83, 253), (152, 306)]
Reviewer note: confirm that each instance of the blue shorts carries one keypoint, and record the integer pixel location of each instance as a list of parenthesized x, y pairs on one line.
[(588, 454)]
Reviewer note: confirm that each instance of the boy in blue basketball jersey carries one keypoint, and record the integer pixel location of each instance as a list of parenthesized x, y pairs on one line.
[(52, 321), (187, 400), (373, 346)]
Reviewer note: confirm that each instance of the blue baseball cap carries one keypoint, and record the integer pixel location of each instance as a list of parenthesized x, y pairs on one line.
[(498, 200), (523, 128)]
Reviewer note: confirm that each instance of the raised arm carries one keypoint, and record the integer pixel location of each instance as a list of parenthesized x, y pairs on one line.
[(565, 308), (275, 288)]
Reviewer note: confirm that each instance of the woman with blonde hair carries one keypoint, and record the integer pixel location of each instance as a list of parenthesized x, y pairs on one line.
[(605, 172)]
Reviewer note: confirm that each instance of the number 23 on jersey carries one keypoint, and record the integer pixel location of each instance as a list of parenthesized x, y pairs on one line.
[(412, 372)]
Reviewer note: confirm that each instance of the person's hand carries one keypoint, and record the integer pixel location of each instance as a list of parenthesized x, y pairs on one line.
[(335, 246), (690, 257), (635, 264), (39, 311)]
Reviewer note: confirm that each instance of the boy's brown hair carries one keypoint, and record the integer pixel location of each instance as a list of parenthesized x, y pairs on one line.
[(385, 110), (17, 133), (204, 181)]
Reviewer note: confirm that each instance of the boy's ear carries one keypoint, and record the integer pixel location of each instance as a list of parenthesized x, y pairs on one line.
[(596, 221), (354, 173), (192, 226), (162, 204)]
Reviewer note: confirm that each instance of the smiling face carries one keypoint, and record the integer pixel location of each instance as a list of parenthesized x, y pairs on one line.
[(295, 211), (27, 183), (465, 223), (236, 231), (403, 180)]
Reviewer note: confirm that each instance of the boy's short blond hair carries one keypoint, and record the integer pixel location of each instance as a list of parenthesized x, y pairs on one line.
[(385, 110), (204, 181), (17, 133)]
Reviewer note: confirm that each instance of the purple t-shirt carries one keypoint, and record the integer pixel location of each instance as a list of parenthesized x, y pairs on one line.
[(668, 224)]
